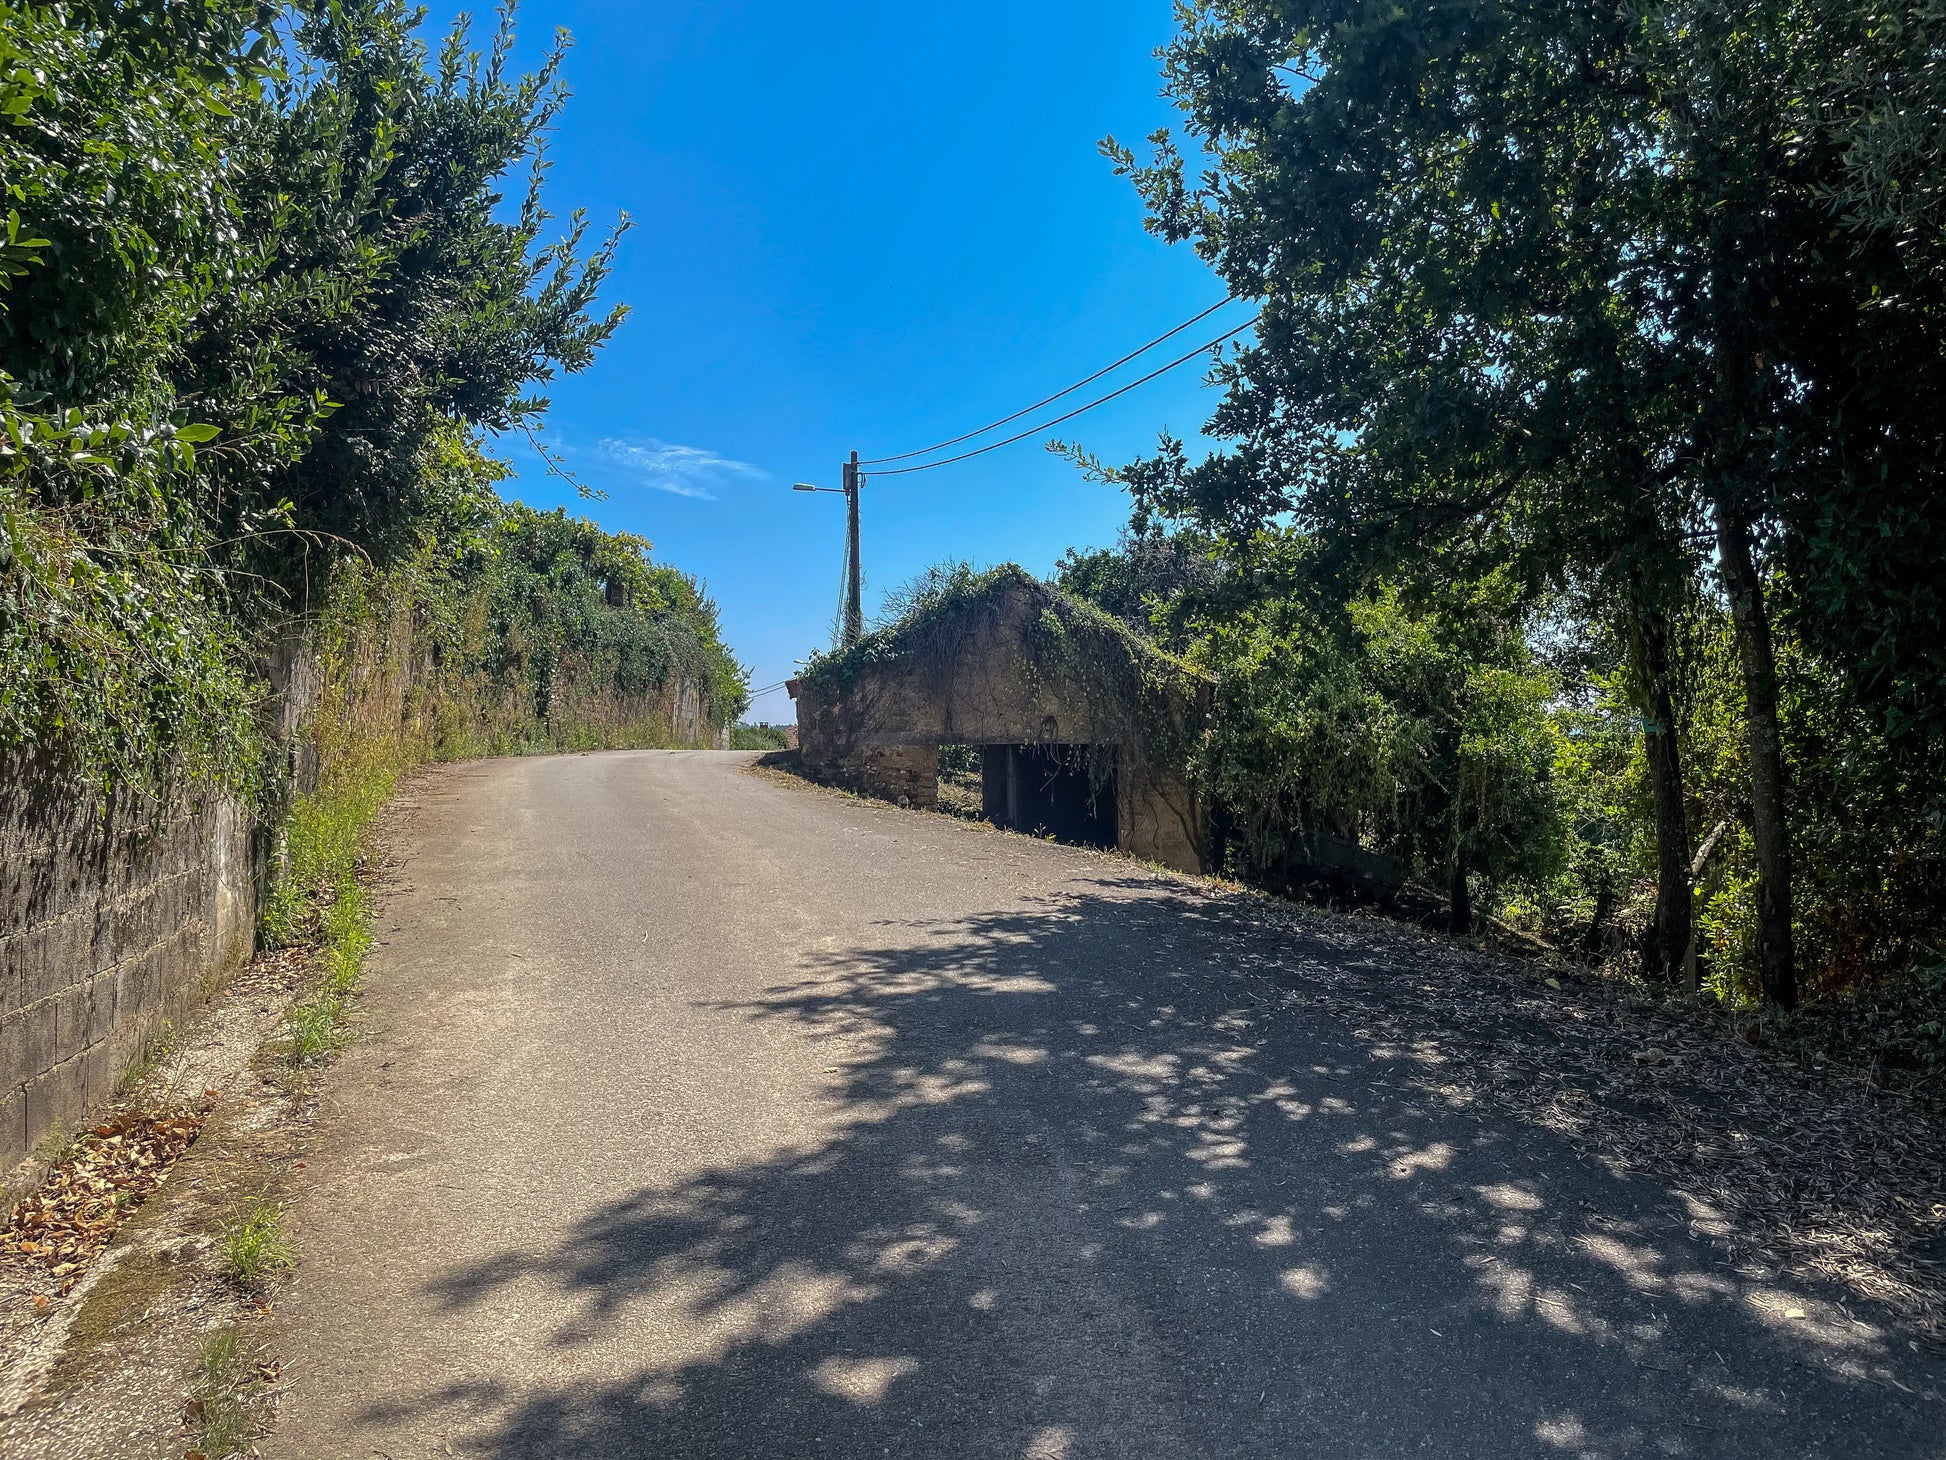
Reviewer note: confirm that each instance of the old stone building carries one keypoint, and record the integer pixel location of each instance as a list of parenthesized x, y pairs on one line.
[(1083, 728)]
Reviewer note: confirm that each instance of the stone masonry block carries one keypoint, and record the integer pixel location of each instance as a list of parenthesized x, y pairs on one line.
[(26, 889), (14, 1145), (39, 964), (144, 980), (104, 991), (76, 1027), (29, 1043), (184, 958), (58, 1097), (45, 880), (102, 1067), (140, 919), (908, 773)]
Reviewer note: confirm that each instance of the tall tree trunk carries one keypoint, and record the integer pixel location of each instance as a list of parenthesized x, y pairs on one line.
[(1648, 647), (1769, 827)]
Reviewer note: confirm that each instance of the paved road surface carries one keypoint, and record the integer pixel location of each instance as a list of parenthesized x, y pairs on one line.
[(707, 1116)]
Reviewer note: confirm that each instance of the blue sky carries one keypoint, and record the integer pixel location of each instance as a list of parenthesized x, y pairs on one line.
[(858, 225)]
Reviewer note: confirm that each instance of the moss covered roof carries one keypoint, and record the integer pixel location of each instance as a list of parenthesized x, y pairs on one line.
[(927, 632)]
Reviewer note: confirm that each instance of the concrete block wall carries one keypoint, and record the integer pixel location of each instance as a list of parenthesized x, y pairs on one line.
[(111, 920)]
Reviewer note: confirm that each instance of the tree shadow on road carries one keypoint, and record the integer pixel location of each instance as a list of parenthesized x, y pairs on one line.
[(1097, 1193)]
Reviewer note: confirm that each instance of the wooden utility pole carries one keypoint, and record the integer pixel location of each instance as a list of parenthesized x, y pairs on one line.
[(851, 608), (854, 587)]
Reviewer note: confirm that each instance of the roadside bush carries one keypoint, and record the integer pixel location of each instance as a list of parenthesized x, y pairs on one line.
[(760, 737), (1400, 729)]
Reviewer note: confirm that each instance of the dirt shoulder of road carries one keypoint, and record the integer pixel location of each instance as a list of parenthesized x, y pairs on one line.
[(100, 1359), (1794, 1147)]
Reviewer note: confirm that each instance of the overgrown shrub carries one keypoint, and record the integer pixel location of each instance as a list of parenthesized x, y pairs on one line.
[(1395, 729)]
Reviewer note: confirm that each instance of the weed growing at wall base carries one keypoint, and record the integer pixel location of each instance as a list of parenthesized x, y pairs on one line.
[(151, 1057), (316, 1029), (327, 841), (326, 836)]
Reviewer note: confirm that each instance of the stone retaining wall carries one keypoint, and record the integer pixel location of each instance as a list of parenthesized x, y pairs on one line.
[(110, 922)]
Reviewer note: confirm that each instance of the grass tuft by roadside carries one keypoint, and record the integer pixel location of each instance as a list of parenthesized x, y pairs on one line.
[(226, 1395), (326, 841), (255, 1247), (149, 1060), (315, 1029)]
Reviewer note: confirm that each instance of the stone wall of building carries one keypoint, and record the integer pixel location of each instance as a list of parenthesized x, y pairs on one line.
[(1159, 817), (993, 674), (907, 774)]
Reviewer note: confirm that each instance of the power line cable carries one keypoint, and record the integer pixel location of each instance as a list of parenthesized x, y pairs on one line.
[(1077, 411), (1029, 410)]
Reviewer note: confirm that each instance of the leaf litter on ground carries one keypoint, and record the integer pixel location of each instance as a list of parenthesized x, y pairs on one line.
[(1792, 1149), (54, 1235), (107, 1175)]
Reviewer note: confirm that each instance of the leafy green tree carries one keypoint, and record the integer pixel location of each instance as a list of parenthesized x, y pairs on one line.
[(1573, 288), (1152, 581), (118, 124), (1864, 513), (259, 306), (1454, 374), (121, 122), (396, 289), (570, 602), (1422, 732)]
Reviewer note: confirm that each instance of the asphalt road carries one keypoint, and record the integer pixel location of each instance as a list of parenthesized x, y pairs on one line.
[(701, 1115)]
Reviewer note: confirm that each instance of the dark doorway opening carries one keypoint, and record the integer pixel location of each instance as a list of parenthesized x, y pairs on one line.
[(1049, 790)]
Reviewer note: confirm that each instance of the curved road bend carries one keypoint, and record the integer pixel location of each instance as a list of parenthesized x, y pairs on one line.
[(703, 1115)]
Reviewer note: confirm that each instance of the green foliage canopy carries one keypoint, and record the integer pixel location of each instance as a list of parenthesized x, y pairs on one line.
[(260, 304)]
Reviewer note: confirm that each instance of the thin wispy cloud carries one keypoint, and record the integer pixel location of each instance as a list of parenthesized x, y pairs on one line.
[(685, 471)]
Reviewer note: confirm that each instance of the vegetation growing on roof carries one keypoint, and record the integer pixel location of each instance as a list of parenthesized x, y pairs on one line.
[(917, 611)]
